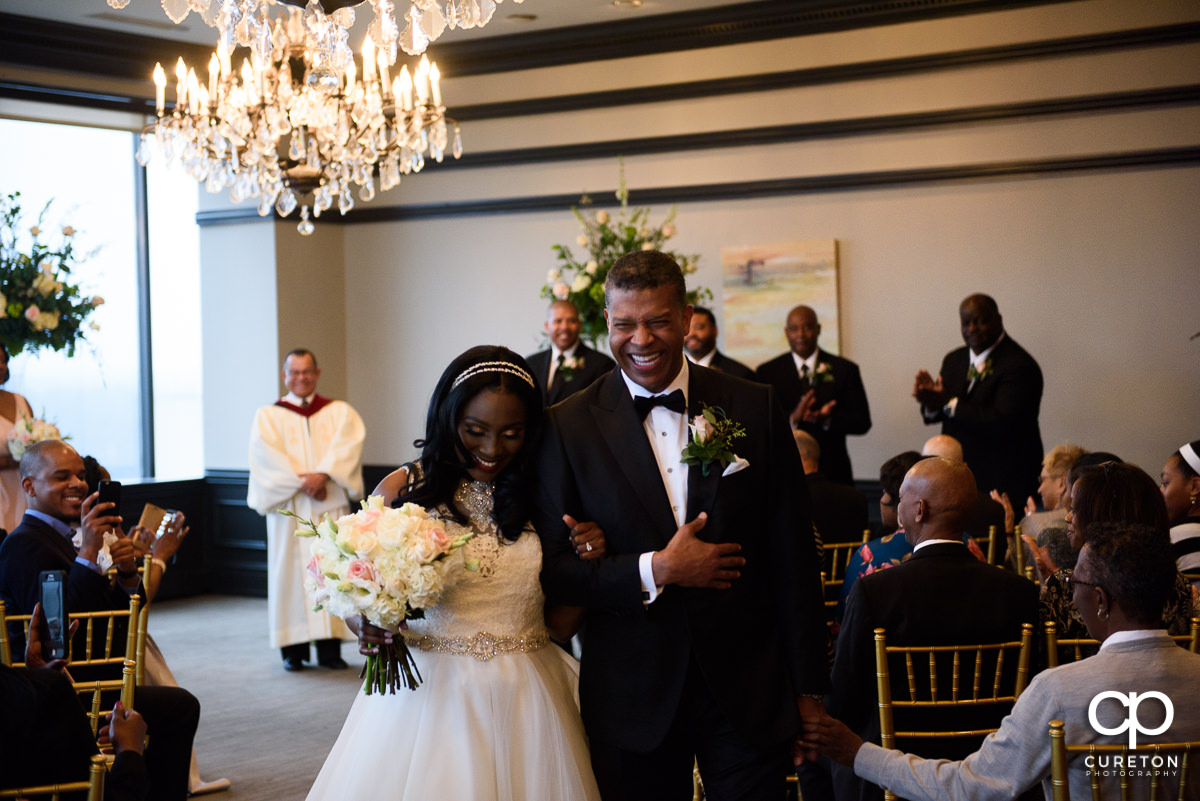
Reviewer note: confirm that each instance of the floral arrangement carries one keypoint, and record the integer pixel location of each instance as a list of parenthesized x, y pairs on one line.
[(39, 308), (386, 565), (712, 439), (604, 240), (28, 430)]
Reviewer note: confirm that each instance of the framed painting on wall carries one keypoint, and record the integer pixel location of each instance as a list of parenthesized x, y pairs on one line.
[(762, 283)]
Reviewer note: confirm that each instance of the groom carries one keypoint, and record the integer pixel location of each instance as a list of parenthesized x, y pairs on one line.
[(705, 630)]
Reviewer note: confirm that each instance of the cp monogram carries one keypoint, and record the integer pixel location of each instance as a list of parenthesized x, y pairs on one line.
[(1131, 723)]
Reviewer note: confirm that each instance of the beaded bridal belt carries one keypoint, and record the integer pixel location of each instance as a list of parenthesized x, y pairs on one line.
[(482, 646)]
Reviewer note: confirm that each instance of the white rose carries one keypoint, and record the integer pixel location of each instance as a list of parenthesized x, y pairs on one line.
[(591, 267), (553, 276), (668, 230), (602, 216), (701, 429), (647, 246), (581, 282), (581, 240), (561, 291)]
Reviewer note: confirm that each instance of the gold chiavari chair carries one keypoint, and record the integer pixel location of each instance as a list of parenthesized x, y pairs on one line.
[(94, 786), (143, 624), (837, 559), (1018, 550), (1061, 753), (978, 679), (1080, 648), (96, 636)]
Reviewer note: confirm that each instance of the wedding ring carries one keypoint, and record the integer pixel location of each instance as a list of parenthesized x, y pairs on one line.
[(588, 547)]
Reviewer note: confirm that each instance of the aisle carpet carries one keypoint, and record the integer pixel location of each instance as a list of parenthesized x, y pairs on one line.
[(266, 730)]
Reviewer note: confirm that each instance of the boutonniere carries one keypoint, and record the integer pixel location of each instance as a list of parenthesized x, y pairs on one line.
[(569, 366), (979, 375), (824, 374), (712, 436)]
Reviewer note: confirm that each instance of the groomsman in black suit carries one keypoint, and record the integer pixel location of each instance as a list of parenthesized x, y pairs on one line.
[(988, 396), (568, 365), (705, 628), (701, 346), (822, 393)]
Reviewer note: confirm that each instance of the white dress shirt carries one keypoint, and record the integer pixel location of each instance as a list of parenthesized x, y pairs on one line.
[(977, 360), (667, 432), (703, 361), (569, 353), (810, 362)]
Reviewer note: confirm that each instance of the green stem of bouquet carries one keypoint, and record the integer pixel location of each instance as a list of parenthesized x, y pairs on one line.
[(390, 669)]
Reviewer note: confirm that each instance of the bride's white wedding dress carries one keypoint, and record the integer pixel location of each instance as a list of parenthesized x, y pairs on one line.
[(496, 717)]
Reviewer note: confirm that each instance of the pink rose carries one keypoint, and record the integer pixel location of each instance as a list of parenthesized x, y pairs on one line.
[(440, 539), (561, 291), (362, 570), (701, 428), (314, 570), (32, 313)]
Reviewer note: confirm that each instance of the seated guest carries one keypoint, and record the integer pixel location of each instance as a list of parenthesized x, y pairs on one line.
[(568, 365), (889, 548), (1055, 541), (1052, 489), (53, 479), (1112, 492), (943, 595), (839, 512), (1124, 575), (988, 513), (1181, 493), (50, 741), (700, 345)]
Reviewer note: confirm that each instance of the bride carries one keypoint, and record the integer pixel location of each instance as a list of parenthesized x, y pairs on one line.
[(497, 717)]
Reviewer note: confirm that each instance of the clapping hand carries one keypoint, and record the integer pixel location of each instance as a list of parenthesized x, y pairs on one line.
[(1041, 559), (931, 394), (1030, 506), (1010, 518), (807, 411), (174, 529)]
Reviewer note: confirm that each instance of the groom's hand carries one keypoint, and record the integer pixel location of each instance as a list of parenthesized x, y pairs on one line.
[(691, 562)]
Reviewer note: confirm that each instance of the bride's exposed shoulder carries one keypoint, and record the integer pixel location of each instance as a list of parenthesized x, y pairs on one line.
[(391, 485)]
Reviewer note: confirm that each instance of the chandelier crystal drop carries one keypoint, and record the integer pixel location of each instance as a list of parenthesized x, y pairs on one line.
[(409, 24), (304, 125)]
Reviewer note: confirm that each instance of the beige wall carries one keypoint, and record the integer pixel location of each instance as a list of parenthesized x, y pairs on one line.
[(1095, 272)]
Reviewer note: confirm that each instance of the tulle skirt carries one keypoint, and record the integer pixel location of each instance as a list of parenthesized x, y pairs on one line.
[(507, 729)]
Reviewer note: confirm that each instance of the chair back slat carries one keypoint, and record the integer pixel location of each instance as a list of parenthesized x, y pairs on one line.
[(1018, 550), (90, 623)]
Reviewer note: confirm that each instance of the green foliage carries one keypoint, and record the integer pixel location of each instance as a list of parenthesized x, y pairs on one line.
[(39, 308), (604, 238)]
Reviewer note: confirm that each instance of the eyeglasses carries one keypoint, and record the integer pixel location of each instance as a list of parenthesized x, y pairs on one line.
[(1071, 581)]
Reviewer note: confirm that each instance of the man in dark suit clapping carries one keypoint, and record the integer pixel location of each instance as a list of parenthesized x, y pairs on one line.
[(705, 629), (822, 393), (987, 396), (568, 365)]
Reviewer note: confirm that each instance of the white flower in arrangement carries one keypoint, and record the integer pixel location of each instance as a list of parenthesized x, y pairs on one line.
[(602, 217), (48, 267), (3, 306), (97, 300), (647, 246), (591, 267), (553, 276), (561, 291), (46, 321), (68, 231), (28, 430), (645, 232), (581, 282), (581, 240), (34, 230), (45, 285), (668, 230)]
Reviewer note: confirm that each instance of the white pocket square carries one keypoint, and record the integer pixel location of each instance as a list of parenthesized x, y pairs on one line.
[(735, 466)]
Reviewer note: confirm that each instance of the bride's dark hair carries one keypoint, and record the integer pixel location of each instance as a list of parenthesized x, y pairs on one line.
[(486, 367)]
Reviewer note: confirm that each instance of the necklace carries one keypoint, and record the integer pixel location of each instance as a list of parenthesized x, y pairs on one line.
[(475, 499)]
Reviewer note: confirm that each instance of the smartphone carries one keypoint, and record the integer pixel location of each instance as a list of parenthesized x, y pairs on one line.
[(54, 611), (110, 492)]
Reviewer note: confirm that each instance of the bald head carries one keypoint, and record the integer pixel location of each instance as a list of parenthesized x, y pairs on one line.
[(802, 331), (810, 450), (981, 323), (937, 499), (943, 445), (41, 454)]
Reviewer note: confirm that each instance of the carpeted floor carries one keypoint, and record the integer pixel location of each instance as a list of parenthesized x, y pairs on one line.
[(266, 730)]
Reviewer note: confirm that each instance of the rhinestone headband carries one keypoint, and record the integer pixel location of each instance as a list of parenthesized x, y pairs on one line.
[(494, 367), (1189, 454)]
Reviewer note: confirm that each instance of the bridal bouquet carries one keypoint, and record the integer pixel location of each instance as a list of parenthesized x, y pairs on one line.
[(386, 565), (27, 431)]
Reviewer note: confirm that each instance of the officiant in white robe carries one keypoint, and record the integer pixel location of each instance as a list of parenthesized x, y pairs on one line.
[(306, 458)]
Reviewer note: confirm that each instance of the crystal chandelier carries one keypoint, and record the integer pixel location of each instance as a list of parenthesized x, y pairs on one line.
[(301, 123), (239, 22)]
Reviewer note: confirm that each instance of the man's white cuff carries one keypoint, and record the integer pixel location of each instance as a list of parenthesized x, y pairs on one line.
[(650, 590)]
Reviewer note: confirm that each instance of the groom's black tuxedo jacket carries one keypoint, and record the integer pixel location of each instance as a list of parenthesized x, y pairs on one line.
[(996, 420), (758, 644), (595, 364)]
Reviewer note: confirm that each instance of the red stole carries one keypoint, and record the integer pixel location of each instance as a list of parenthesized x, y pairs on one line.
[(318, 403)]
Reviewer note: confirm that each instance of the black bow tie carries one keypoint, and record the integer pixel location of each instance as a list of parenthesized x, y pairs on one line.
[(672, 400)]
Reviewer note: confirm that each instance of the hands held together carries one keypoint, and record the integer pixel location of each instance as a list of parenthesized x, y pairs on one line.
[(930, 393), (807, 411)]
